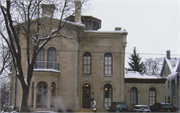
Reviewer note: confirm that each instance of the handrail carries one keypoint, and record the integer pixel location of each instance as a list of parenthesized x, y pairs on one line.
[(46, 65)]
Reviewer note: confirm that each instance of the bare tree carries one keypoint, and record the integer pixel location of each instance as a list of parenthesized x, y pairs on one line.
[(153, 66), (5, 58), (4, 92), (21, 18)]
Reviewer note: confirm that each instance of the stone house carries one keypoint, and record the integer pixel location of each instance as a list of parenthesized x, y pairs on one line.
[(69, 74), (143, 89), (170, 69)]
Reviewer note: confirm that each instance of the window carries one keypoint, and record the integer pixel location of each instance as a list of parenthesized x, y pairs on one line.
[(178, 82), (40, 59), (107, 95), (134, 96), (53, 94), (52, 58), (152, 95), (108, 64), (42, 95), (168, 84), (87, 63), (173, 90)]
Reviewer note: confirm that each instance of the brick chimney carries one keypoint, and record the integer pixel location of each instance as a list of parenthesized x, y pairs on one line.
[(168, 55), (77, 11), (117, 28), (48, 9)]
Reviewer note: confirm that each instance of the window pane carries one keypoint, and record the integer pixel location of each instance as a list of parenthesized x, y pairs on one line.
[(152, 95), (134, 95), (87, 63), (107, 63)]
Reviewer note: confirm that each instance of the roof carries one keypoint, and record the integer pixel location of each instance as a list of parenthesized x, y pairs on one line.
[(137, 75), (173, 64), (48, 18)]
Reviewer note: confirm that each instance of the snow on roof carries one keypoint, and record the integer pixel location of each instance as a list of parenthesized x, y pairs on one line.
[(51, 70), (172, 76), (173, 65), (118, 31), (75, 23), (137, 75)]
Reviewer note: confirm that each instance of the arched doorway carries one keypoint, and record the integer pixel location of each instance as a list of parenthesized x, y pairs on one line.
[(42, 94), (107, 95), (86, 96)]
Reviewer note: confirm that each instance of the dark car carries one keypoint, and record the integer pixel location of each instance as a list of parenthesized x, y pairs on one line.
[(140, 108), (162, 107), (118, 107)]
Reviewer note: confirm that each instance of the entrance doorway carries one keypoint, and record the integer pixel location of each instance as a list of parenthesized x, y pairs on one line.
[(86, 96)]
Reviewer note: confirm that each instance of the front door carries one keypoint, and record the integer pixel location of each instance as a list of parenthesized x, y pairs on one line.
[(86, 96)]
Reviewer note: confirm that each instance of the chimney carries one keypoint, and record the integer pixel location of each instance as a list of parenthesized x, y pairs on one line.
[(168, 55), (78, 11), (117, 28), (48, 9)]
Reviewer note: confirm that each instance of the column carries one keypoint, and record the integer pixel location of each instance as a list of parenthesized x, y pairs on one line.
[(49, 97)]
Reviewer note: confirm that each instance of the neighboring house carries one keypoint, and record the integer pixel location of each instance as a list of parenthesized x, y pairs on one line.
[(69, 74), (143, 89), (170, 69)]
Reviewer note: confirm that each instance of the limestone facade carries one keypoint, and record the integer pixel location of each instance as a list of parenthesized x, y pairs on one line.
[(71, 73), (64, 86)]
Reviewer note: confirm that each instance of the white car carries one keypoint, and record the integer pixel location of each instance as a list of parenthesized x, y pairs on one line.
[(141, 108)]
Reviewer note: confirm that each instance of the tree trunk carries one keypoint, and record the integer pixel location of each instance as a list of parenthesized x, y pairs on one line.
[(24, 101)]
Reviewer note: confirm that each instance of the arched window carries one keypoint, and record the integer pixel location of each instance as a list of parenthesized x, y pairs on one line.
[(152, 95), (107, 95), (87, 63), (52, 58), (42, 94), (40, 59), (32, 98), (108, 64), (53, 94), (134, 96)]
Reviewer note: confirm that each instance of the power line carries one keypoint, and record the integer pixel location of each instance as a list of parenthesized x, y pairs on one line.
[(118, 52), (155, 54)]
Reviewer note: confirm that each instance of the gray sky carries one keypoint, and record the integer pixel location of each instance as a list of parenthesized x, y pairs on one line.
[(152, 25)]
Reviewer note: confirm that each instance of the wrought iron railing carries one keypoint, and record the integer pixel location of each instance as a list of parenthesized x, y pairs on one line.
[(46, 65)]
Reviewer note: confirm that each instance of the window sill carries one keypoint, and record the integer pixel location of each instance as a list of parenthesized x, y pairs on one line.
[(86, 75), (108, 75)]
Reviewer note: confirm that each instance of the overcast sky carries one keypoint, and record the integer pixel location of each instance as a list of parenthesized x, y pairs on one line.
[(152, 25)]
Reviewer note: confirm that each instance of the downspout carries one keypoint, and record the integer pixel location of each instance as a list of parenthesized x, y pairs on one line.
[(78, 60)]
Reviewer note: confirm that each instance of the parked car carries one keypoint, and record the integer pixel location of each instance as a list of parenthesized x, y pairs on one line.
[(140, 108), (162, 107), (118, 107)]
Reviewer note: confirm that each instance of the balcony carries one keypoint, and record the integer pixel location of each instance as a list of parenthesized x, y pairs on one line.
[(46, 65)]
